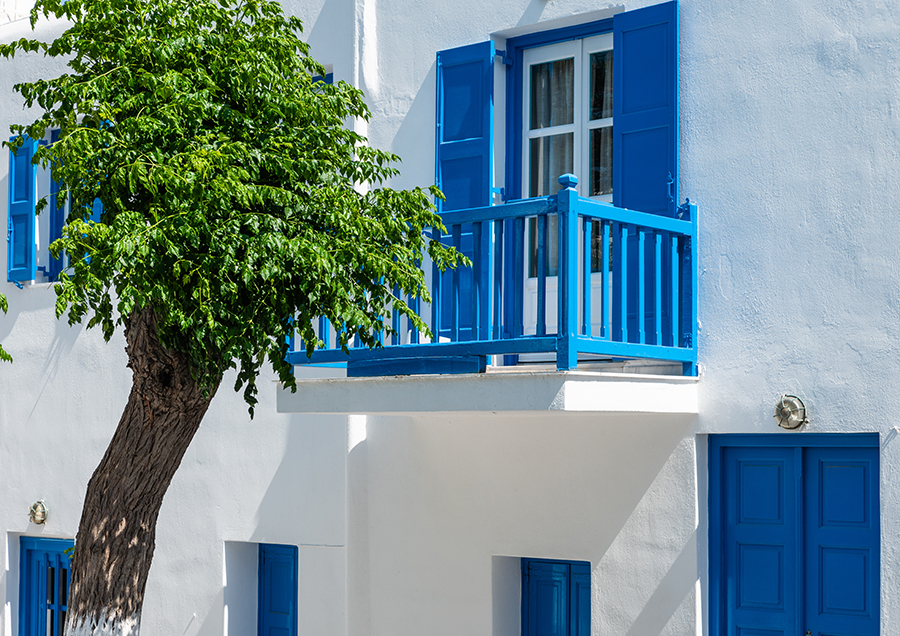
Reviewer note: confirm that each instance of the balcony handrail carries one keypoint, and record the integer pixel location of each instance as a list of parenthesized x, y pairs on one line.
[(641, 295)]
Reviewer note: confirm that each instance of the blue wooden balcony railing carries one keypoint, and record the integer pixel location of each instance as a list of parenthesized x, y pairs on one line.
[(626, 287)]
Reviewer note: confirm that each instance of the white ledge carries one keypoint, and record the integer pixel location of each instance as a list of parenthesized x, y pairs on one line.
[(577, 391)]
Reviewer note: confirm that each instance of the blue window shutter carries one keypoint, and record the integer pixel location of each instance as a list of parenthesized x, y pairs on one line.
[(580, 600), (96, 210), (277, 590), (465, 125), (556, 598), (545, 598), (464, 168), (20, 234), (57, 216), (645, 109), (43, 585)]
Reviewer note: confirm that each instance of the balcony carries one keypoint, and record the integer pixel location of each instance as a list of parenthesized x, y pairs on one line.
[(615, 285)]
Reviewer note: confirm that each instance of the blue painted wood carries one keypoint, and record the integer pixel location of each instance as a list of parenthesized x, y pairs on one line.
[(794, 534), (21, 257), (420, 365), (645, 111), (511, 210), (57, 217), (842, 541), (437, 293), (497, 294), (456, 231), (566, 351), (601, 210), (587, 228), (395, 319), (675, 280), (618, 349), (464, 126), (277, 605), (522, 344), (606, 289), (415, 305), (44, 574), (541, 325), (545, 598), (641, 285), (580, 599), (556, 598), (493, 296)]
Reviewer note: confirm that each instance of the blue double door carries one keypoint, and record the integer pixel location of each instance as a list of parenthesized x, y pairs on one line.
[(795, 538)]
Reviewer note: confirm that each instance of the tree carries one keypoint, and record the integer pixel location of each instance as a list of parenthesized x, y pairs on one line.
[(4, 356), (233, 217)]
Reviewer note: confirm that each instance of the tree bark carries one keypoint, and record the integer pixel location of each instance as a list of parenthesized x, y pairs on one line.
[(117, 532)]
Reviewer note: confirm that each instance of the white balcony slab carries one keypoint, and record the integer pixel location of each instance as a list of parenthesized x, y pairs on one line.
[(576, 391)]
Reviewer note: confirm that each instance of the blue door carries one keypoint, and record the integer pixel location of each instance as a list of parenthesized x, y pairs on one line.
[(277, 590), (794, 535)]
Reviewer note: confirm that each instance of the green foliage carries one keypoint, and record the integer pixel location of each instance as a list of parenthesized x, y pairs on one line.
[(4, 307), (230, 183)]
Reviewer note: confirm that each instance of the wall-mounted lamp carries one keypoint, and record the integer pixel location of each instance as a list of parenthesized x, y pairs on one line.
[(37, 514), (790, 412)]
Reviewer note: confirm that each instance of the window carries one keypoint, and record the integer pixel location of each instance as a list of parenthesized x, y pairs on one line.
[(29, 236), (599, 99), (556, 598), (43, 586)]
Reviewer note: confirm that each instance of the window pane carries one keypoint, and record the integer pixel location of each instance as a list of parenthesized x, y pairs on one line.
[(601, 161), (550, 157), (62, 623), (601, 84), (50, 623), (552, 93)]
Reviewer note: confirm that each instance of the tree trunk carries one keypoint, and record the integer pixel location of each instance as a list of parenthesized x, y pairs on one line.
[(116, 536)]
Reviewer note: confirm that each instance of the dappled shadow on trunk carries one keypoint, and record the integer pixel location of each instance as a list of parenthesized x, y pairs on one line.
[(116, 535)]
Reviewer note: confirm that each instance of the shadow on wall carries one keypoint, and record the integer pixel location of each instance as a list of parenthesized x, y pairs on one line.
[(532, 12), (304, 502), (414, 139)]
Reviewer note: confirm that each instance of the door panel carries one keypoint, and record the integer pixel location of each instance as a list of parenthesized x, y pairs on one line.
[(842, 541), (760, 540)]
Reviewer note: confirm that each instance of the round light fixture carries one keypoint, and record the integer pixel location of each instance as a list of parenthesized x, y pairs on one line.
[(790, 412), (38, 512)]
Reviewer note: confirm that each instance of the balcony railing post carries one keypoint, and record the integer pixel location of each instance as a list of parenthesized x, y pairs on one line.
[(567, 201)]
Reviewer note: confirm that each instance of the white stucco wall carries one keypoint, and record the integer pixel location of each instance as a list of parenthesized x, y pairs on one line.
[(789, 143)]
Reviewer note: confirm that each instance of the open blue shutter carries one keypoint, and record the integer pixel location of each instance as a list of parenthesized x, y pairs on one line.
[(277, 590), (465, 131), (645, 146), (464, 148), (645, 109), (20, 233)]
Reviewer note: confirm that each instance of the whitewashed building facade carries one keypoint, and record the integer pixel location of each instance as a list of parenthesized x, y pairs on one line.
[(628, 478)]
